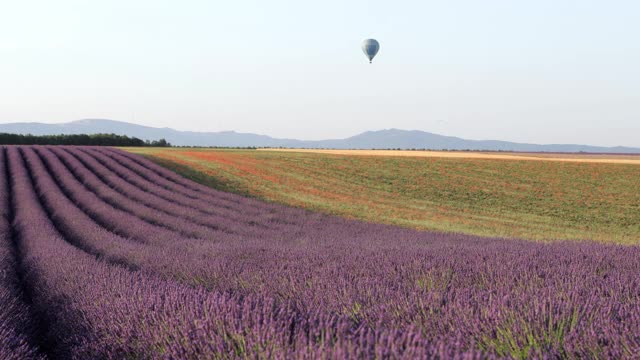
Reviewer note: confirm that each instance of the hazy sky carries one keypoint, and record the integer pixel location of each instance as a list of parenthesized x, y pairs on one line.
[(544, 71)]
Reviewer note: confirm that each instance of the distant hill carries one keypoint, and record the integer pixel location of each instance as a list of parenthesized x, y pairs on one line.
[(382, 139)]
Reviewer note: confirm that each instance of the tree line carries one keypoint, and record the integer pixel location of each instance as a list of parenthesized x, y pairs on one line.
[(79, 139)]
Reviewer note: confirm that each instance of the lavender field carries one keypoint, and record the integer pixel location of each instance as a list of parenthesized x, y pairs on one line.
[(105, 255)]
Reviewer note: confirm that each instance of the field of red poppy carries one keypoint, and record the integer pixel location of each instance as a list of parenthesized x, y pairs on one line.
[(539, 200)]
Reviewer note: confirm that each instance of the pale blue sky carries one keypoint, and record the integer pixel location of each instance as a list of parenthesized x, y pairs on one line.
[(545, 71)]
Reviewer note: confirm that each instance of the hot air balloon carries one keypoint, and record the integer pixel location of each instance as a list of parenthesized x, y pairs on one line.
[(370, 48)]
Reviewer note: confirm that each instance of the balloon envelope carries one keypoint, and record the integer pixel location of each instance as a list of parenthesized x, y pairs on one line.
[(370, 48)]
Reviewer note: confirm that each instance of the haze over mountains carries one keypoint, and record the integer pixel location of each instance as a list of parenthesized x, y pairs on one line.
[(382, 139)]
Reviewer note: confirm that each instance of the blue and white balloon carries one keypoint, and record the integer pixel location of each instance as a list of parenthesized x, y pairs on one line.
[(370, 48)]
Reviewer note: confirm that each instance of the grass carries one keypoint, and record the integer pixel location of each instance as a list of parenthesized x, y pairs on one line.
[(538, 200)]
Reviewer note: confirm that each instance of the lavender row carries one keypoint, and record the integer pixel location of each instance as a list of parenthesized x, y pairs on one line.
[(169, 183), (194, 187), (111, 312), (189, 189), (16, 326), (136, 188), (190, 261), (202, 262), (144, 178), (276, 218), (271, 215), (84, 182), (111, 218), (142, 191)]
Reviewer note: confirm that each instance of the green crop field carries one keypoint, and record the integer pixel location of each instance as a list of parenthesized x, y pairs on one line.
[(538, 200)]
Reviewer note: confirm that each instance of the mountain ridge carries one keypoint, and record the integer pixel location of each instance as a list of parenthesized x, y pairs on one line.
[(374, 139)]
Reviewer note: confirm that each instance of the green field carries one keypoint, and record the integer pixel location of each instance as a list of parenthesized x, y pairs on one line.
[(539, 200)]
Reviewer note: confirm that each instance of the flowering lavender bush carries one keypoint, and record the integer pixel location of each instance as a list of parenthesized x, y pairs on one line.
[(125, 259)]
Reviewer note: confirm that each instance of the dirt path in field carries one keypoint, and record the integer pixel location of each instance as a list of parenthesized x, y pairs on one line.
[(580, 158)]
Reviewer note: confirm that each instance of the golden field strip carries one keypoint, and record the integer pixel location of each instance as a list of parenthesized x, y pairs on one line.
[(580, 158)]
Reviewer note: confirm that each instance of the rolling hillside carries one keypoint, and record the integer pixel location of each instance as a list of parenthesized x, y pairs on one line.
[(542, 200), (382, 139)]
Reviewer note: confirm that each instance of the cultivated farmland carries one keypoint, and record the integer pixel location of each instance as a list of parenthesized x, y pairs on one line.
[(108, 255), (475, 193)]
